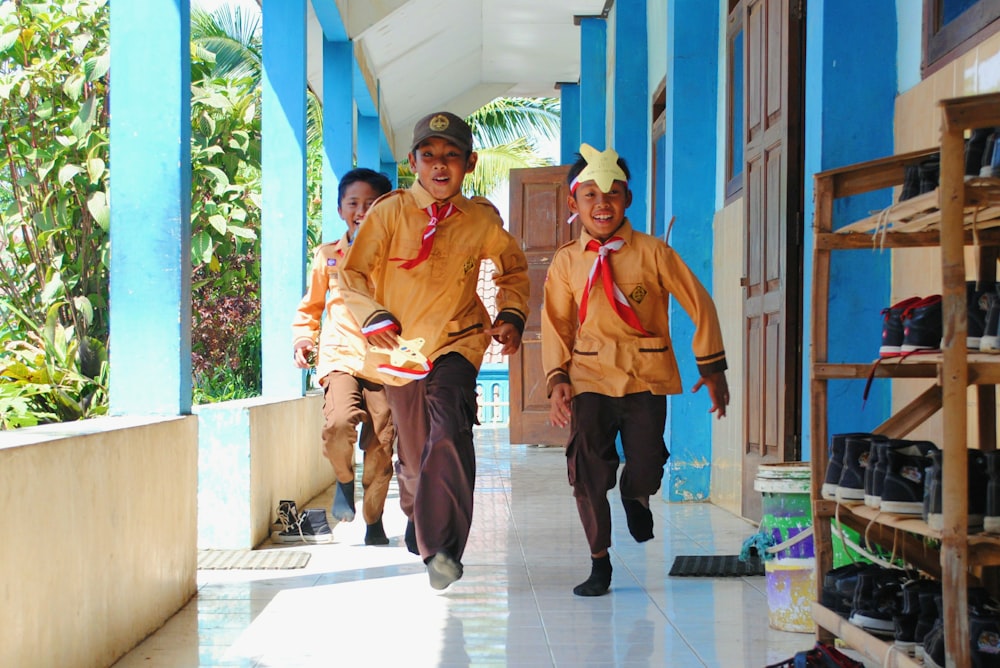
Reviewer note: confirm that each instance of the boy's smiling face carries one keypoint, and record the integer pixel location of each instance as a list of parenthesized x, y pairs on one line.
[(358, 198), (440, 167), (601, 213)]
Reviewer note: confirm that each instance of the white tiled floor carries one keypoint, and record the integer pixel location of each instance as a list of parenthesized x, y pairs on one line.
[(355, 605)]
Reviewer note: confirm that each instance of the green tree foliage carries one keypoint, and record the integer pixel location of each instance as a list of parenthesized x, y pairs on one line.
[(54, 218)]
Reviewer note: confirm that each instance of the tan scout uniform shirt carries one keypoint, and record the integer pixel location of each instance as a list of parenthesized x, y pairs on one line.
[(341, 347), (604, 354), (435, 300)]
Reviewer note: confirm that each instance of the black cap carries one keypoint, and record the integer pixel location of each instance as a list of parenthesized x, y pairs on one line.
[(445, 125)]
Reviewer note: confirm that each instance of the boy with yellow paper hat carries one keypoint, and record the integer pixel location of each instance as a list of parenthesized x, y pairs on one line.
[(608, 357)]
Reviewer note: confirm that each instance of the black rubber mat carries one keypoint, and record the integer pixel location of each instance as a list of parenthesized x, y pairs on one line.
[(715, 566)]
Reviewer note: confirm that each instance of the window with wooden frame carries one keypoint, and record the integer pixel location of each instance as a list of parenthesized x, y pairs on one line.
[(952, 27), (735, 117)]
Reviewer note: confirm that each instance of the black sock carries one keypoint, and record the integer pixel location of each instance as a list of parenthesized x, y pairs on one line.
[(640, 520), (600, 578), (410, 538), (375, 534), (343, 502)]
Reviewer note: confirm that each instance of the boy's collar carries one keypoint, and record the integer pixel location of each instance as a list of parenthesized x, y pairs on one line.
[(425, 199), (624, 231)]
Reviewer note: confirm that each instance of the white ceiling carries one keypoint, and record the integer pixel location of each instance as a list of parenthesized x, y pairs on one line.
[(425, 55)]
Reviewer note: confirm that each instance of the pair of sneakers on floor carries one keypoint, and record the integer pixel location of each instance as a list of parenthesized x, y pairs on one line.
[(311, 526)]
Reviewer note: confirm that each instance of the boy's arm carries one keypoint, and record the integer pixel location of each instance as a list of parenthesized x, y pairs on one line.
[(308, 316), (513, 288), (559, 325), (683, 284), (366, 259)]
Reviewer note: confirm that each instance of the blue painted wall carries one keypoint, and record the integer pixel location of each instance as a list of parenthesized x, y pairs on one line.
[(843, 40), (151, 217), (283, 191), (593, 81), (338, 129), (569, 132), (689, 194), (632, 105)]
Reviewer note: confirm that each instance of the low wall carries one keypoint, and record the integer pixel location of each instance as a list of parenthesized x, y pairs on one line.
[(99, 547), (252, 454)]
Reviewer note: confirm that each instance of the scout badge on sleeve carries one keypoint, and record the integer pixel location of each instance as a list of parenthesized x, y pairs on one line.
[(407, 351), (602, 168)]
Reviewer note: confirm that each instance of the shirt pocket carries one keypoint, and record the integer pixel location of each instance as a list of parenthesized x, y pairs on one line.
[(460, 328), (586, 361), (651, 358)]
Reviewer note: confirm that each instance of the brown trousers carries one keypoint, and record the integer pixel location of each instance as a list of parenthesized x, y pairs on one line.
[(592, 459), (348, 401), (436, 463)]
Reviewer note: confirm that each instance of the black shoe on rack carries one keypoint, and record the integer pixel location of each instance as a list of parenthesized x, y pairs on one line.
[(978, 307), (876, 451), (851, 486), (892, 327), (835, 465), (978, 490), (839, 585), (922, 326), (991, 520), (903, 486), (904, 623), (928, 592), (877, 598), (990, 341), (975, 147)]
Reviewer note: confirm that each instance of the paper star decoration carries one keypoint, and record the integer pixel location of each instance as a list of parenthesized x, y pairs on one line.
[(408, 350), (602, 167)]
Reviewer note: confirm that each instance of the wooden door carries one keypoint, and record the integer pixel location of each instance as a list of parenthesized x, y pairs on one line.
[(774, 39), (538, 214)]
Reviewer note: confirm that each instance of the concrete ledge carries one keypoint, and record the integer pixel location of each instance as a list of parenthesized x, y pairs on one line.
[(101, 534), (252, 454)]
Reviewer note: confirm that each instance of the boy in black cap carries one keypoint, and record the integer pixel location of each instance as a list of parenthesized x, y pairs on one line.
[(421, 249)]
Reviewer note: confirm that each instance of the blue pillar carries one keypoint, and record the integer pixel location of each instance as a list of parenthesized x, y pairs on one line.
[(632, 103), (843, 41), (390, 169), (150, 288), (569, 131), (368, 153), (692, 109), (593, 81), (283, 190), (338, 128)]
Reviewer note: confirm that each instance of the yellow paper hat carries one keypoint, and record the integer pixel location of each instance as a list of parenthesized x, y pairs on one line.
[(602, 167)]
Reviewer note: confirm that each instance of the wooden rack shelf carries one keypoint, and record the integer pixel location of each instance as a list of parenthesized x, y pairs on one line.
[(962, 212)]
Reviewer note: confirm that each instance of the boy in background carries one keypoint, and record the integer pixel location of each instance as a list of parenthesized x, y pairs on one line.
[(351, 395), (608, 357), (421, 248)]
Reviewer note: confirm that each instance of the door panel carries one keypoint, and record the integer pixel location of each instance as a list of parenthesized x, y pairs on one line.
[(773, 200), (538, 214)]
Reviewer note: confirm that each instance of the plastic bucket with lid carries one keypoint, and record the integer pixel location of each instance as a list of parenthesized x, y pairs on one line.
[(790, 564)]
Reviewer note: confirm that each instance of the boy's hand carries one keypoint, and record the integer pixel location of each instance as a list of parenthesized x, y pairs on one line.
[(387, 338), (718, 390), (559, 404), (507, 335), (301, 353)]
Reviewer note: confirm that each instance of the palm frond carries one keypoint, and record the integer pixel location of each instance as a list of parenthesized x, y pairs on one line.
[(234, 36), (507, 119), (496, 162)]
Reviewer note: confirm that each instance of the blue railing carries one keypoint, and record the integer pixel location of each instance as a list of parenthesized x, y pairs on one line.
[(493, 395)]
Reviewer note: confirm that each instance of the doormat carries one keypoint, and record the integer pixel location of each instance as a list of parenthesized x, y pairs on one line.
[(220, 560), (716, 566)]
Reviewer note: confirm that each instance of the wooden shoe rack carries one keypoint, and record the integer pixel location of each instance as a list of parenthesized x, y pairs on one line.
[(960, 213)]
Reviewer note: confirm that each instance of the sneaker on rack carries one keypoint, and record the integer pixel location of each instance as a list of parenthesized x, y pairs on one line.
[(990, 341), (922, 326), (839, 585), (877, 444), (851, 486), (892, 327), (903, 486), (877, 599), (835, 465), (905, 621), (928, 592), (873, 495), (978, 486), (991, 520), (975, 146), (977, 306)]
